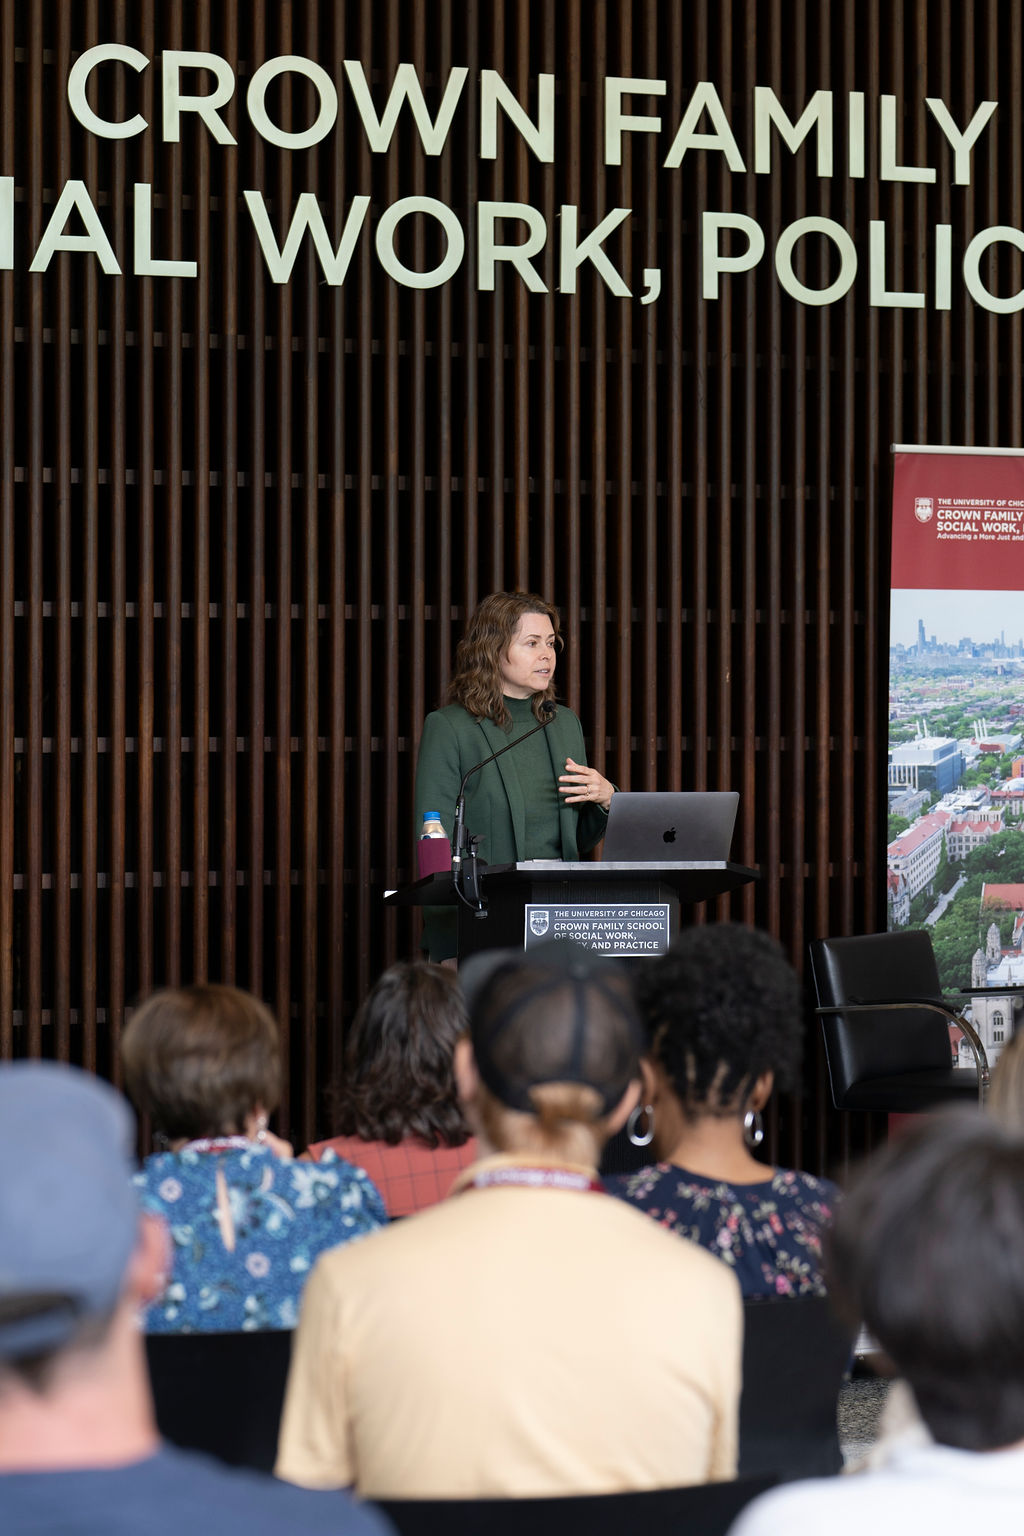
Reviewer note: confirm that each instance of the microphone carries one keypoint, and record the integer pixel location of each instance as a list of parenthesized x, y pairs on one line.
[(549, 711), (459, 840)]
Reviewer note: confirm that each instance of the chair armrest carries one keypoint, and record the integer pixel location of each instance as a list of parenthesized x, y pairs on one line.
[(971, 1035)]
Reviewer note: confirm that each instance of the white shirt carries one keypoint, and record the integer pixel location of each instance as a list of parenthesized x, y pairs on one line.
[(933, 1489)]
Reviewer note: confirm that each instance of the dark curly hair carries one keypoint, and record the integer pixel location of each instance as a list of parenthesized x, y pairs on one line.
[(477, 681), (721, 1007), (399, 1071)]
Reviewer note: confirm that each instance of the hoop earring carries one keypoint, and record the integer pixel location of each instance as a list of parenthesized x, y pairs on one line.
[(753, 1128), (635, 1136), (261, 1129)]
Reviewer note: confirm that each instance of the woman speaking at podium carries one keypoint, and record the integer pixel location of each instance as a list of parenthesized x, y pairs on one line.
[(540, 801)]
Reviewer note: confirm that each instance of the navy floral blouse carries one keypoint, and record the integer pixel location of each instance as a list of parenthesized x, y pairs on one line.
[(769, 1233), (246, 1228)]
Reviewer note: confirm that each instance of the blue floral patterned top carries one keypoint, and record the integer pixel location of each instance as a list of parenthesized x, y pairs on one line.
[(246, 1228), (769, 1233)]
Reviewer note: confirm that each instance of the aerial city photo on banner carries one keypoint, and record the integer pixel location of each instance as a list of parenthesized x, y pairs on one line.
[(955, 860)]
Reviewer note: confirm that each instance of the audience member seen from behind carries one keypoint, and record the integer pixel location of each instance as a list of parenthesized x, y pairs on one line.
[(79, 1449), (246, 1221), (928, 1249), (397, 1109), (901, 1424), (528, 1335), (1006, 1093), (723, 1016)]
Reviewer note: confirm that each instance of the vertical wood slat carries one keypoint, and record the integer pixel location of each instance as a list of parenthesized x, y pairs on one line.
[(8, 121), (469, 568), (282, 546), (720, 753), (778, 573), (114, 941), (90, 628), (362, 777), (572, 387), (545, 363), (65, 822), (599, 678), (415, 576), (257, 542), (494, 519), (230, 655), (700, 321), (173, 502), (651, 621), (620, 550), (335, 817), (755, 644), (199, 161), (307, 988), (443, 535), (524, 446), (385, 845), (34, 533), (678, 512), (702, 485), (146, 940)]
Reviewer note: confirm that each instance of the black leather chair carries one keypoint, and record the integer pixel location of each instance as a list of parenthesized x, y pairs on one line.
[(706, 1510), (221, 1393), (795, 1356), (886, 1025)]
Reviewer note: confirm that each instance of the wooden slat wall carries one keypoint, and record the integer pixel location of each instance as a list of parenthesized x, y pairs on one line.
[(241, 524)]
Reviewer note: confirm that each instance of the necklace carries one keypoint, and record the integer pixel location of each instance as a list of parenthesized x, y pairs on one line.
[(222, 1144)]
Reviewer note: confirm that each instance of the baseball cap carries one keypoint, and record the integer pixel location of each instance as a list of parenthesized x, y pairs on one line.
[(69, 1215), (555, 1013)]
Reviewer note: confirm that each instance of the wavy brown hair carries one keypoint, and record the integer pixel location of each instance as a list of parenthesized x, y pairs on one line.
[(477, 681), (399, 1062)]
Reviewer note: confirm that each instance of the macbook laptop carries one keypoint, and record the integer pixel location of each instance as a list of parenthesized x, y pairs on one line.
[(663, 828)]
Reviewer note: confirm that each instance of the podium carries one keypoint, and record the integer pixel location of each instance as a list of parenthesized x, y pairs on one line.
[(624, 910)]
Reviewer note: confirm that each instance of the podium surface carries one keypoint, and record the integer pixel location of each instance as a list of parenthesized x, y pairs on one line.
[(625, 910)]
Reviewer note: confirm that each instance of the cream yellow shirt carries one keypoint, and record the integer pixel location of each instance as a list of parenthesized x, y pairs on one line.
[(515, 1341)]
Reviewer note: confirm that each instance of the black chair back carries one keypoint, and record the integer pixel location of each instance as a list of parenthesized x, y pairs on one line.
[(795, 1356), (221, 1392), (864, 1046), (706, 1510)]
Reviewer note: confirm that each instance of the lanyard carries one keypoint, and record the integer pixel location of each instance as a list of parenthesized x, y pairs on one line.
[(536, 1178)]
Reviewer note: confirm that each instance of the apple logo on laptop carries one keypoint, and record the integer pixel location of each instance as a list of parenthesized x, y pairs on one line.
[(669, 836)]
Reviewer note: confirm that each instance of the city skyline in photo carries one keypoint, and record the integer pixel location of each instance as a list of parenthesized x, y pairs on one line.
[(951, 616)]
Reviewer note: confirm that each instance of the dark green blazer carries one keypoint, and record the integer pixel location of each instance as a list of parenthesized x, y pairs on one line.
[(453, 740)]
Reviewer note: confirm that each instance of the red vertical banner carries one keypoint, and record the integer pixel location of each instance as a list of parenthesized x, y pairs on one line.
[(955, 862)]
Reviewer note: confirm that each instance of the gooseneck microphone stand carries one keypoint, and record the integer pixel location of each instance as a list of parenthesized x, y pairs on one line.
[(465, 864)]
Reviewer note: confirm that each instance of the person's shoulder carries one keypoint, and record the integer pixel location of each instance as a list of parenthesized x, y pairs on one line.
[(671, 1253), (313, 1180), (807, 1185), (805, 1508), (452, 715), (253, 1503), (636, 1185)]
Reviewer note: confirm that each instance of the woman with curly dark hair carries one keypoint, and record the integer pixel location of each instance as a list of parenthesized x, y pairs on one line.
[(396, 1108), (541, 801), (722, 1011)]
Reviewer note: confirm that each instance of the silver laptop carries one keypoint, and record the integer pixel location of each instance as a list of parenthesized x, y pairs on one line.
[(657, 827)]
